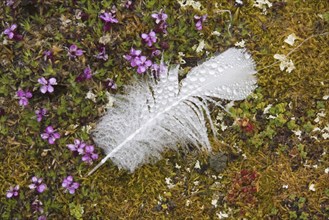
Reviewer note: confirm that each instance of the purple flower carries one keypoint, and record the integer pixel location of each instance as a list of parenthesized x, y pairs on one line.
[(74, 51), (160, 17), (37, 184), (42, 217), (47, 85), (50, 135), (78, 146), (12, 192), (143, 64), (69, 185), (89, 154), (40, 113), (24, 97), (155, 53), (108, 17), (10, 32), (102, 54), (87, 74), (133, 56), (129, 4), (48, 55), (199, 20), (149, 38), (10, 2), (110, 84), (37, 206)]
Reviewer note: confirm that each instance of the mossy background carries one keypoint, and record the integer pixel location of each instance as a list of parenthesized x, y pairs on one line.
[(272, 151)]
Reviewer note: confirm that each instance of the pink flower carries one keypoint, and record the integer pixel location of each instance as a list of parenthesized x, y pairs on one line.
[(12, 192), (47, 85), (149, 38), (160, 17), (50, 135), (199, 20), (69, 185), (133, 56), (89, 154), (74, 51), (102, 54), (10, 32), (37, 184), (108, 17), (40, 113), (78, 146), (143, 64), (23, 97)]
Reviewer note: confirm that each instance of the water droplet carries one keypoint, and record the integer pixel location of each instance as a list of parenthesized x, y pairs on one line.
[(220, 69), (172, 78), (213, 65), (202, 79), (192, 78), (170, 88)]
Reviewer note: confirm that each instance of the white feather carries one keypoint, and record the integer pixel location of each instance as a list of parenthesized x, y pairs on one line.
[(143, 123)]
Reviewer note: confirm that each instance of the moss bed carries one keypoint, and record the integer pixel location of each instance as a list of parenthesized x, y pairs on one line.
[(276, 140)]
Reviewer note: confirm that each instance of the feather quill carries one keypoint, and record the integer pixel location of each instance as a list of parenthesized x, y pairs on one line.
[(146, 121)]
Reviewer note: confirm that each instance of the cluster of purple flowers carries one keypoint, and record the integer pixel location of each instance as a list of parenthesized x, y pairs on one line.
[(82, 148), (160, 21), (141, 62)]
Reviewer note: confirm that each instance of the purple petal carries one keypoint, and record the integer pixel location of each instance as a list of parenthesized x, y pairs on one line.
[(71, 190), (75, 185), (41, 188), (144, 36), (42, 81), (94, 156), (20, 93), (44, 136), (142, 59), (148, 63), (79, 52), (49, 129), (9, 194), (23, 101), (141, 69), (13, 27), (43, 89), (52, 81), (73, 47), (11, 35), (89, 149), (56, 135), (32, 186), (28, 94), (34, 179), (72, 147), (51, 140), (50, 89)]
